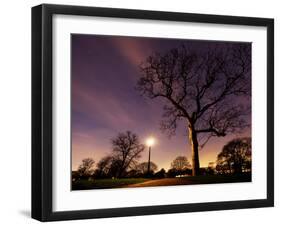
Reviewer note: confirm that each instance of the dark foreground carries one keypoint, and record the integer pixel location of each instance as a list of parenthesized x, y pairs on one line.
[(145, 182)]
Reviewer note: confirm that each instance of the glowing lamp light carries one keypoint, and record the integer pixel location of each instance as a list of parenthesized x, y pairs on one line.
[(150, 141)]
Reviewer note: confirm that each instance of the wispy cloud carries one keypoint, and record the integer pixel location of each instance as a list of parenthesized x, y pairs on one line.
[(103, 106), (132, 49)]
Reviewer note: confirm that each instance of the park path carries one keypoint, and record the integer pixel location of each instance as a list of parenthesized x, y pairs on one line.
[(162, 182)]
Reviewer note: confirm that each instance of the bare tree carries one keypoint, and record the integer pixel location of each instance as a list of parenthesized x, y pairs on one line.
[(180, 163), (200, 88), (236, 156), (86, 167), (126, 151), (104, 167), (142, 167)]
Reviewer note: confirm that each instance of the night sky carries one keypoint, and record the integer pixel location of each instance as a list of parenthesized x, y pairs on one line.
[(105, 70)]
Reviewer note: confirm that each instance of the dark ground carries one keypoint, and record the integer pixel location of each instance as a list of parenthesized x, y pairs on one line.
[(145, 182)]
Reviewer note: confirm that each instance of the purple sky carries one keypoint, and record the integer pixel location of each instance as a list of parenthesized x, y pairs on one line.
[(105, 102)]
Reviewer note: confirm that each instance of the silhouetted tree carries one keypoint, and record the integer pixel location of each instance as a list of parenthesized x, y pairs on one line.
[(85, 169), (160, 174), (200, 87), (133, 173), (126, 151), (172, 172), (75, 175), (211, 168), (222, 167), (142, 167), (116, 169), (180, 163), (235, 156), (104, 167)]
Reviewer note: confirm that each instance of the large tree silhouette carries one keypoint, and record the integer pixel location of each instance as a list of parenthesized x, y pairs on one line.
[(203, 87)]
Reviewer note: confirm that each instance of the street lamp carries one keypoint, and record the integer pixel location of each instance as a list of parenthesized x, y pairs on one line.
[(149, 142)]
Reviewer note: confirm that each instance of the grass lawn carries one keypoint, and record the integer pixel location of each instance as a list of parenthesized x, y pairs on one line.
[(145, 182), (106, 183)]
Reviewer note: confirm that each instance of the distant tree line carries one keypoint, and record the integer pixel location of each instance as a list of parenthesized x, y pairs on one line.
[(122, 162)]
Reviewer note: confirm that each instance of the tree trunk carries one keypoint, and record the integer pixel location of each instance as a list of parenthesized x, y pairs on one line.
[(194, 150)]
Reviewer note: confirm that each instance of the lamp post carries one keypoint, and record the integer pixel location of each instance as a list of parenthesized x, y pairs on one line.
[(150, 141), (148, 165)]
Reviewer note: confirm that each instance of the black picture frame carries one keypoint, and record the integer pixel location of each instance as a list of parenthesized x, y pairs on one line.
[(42, 106)]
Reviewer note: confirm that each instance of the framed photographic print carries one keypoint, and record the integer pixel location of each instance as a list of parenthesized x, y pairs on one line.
[(146, 112)]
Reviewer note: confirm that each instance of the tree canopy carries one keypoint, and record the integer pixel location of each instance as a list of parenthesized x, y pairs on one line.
[(235, 156), (86, 167), (143, 167), (180, 163), (126, 150)]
